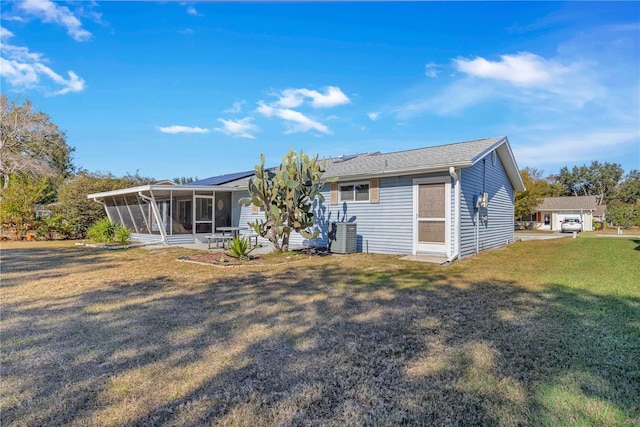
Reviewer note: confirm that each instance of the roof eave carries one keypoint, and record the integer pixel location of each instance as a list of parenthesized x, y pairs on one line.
[(503, 148), (398, 172), (134, 190)]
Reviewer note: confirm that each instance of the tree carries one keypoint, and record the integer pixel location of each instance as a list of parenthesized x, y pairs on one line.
[(537, 188), (17, 210), (629, 190), (597, 179), (81, 212), (31, 144), (286, 195), (625, 216), (182, 180)]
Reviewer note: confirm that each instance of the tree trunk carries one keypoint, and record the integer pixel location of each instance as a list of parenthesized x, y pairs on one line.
[(285, 242)]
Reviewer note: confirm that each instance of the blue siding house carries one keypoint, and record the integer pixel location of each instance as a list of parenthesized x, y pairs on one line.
[(449, 201)]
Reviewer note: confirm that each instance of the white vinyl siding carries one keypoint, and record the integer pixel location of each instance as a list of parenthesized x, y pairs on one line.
[(383, 227), (498, 230)]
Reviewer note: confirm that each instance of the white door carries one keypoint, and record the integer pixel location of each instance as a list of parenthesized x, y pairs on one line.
[(432, 200), (204, 214)]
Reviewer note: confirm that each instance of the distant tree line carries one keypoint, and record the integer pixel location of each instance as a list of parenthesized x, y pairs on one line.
[(607, 181)]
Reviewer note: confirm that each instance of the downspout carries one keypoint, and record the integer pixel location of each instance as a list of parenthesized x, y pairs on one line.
[(456, 210), (156, 213), (477, 215)]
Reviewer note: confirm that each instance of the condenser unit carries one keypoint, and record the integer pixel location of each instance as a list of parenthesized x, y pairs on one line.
[(346, 238)]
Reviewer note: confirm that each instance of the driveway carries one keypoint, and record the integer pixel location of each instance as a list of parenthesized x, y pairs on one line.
[(540, 236)]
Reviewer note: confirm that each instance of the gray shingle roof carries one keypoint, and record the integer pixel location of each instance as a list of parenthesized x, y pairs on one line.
[(438, 157), (568, 203), (461, 154)]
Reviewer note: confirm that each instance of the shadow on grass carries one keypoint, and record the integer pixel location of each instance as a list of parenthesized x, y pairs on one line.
[(326, 345), (42, 261)]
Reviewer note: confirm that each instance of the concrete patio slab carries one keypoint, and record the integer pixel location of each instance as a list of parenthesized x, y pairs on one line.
[(425, 258)]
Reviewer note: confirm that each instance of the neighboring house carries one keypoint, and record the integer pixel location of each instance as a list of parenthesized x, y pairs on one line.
[(553, 210), (600, 214), (448, 201)]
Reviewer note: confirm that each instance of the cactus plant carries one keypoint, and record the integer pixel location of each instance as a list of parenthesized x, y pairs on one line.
[(286, 194)]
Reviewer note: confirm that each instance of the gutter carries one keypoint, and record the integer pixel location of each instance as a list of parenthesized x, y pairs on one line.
[(394, 172), (456, 209)]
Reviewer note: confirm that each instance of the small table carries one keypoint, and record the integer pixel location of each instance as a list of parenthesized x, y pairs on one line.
[(235, 231)]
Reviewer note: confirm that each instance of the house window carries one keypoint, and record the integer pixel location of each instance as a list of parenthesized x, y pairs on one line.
[(354, 192)]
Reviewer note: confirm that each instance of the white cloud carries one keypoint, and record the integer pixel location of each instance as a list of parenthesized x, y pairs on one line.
[(294, 120), (332, 97), (431, 70), (182, 129), (26, 70), (242, 128), (48, 11), (289, 98), (374, 115), (577, 147), (521, 69), (236, 107), (193, 12), (525, 79)]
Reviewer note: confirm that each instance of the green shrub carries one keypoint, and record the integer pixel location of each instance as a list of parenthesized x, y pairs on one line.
[(17, 214), (109, 232), (239, 247), (625, 216), (54, 226), (123, 235)]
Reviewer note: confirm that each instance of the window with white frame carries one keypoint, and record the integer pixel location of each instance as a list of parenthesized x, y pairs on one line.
[(354, 192)]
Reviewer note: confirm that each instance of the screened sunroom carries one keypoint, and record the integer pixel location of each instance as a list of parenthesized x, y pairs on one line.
[(173, 214)]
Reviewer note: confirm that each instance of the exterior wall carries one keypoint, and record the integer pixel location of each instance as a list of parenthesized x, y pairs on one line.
[(241, 215), (498, 230), (384, 227), (147, 238), (182, 239)]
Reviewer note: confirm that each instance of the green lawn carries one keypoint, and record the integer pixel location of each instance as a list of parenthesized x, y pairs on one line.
[(537, 333)]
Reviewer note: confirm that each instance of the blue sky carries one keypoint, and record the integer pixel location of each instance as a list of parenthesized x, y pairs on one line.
[(201, 89)]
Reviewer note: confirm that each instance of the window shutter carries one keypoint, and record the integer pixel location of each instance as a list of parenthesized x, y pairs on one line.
[(334, 193), (374, 190), (254, 209)]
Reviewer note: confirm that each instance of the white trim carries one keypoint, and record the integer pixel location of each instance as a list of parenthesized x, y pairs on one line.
[(154, 208), (161, 188), (394, 172), (456, 214), (447, 208)]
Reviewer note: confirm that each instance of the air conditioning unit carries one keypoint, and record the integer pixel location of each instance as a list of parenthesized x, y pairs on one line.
[(346, 238)]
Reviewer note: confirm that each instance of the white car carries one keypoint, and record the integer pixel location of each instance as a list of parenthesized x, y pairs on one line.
[(569, 225)]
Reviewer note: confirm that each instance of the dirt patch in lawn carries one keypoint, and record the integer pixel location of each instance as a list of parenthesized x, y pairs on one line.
[(222, 259)]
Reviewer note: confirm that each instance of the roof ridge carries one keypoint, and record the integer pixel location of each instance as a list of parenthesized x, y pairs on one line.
[(496, 138)]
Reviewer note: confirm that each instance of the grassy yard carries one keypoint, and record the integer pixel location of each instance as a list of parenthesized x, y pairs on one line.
[(538, 333)]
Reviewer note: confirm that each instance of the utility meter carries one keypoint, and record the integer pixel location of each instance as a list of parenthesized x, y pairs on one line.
[(481, 201)]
